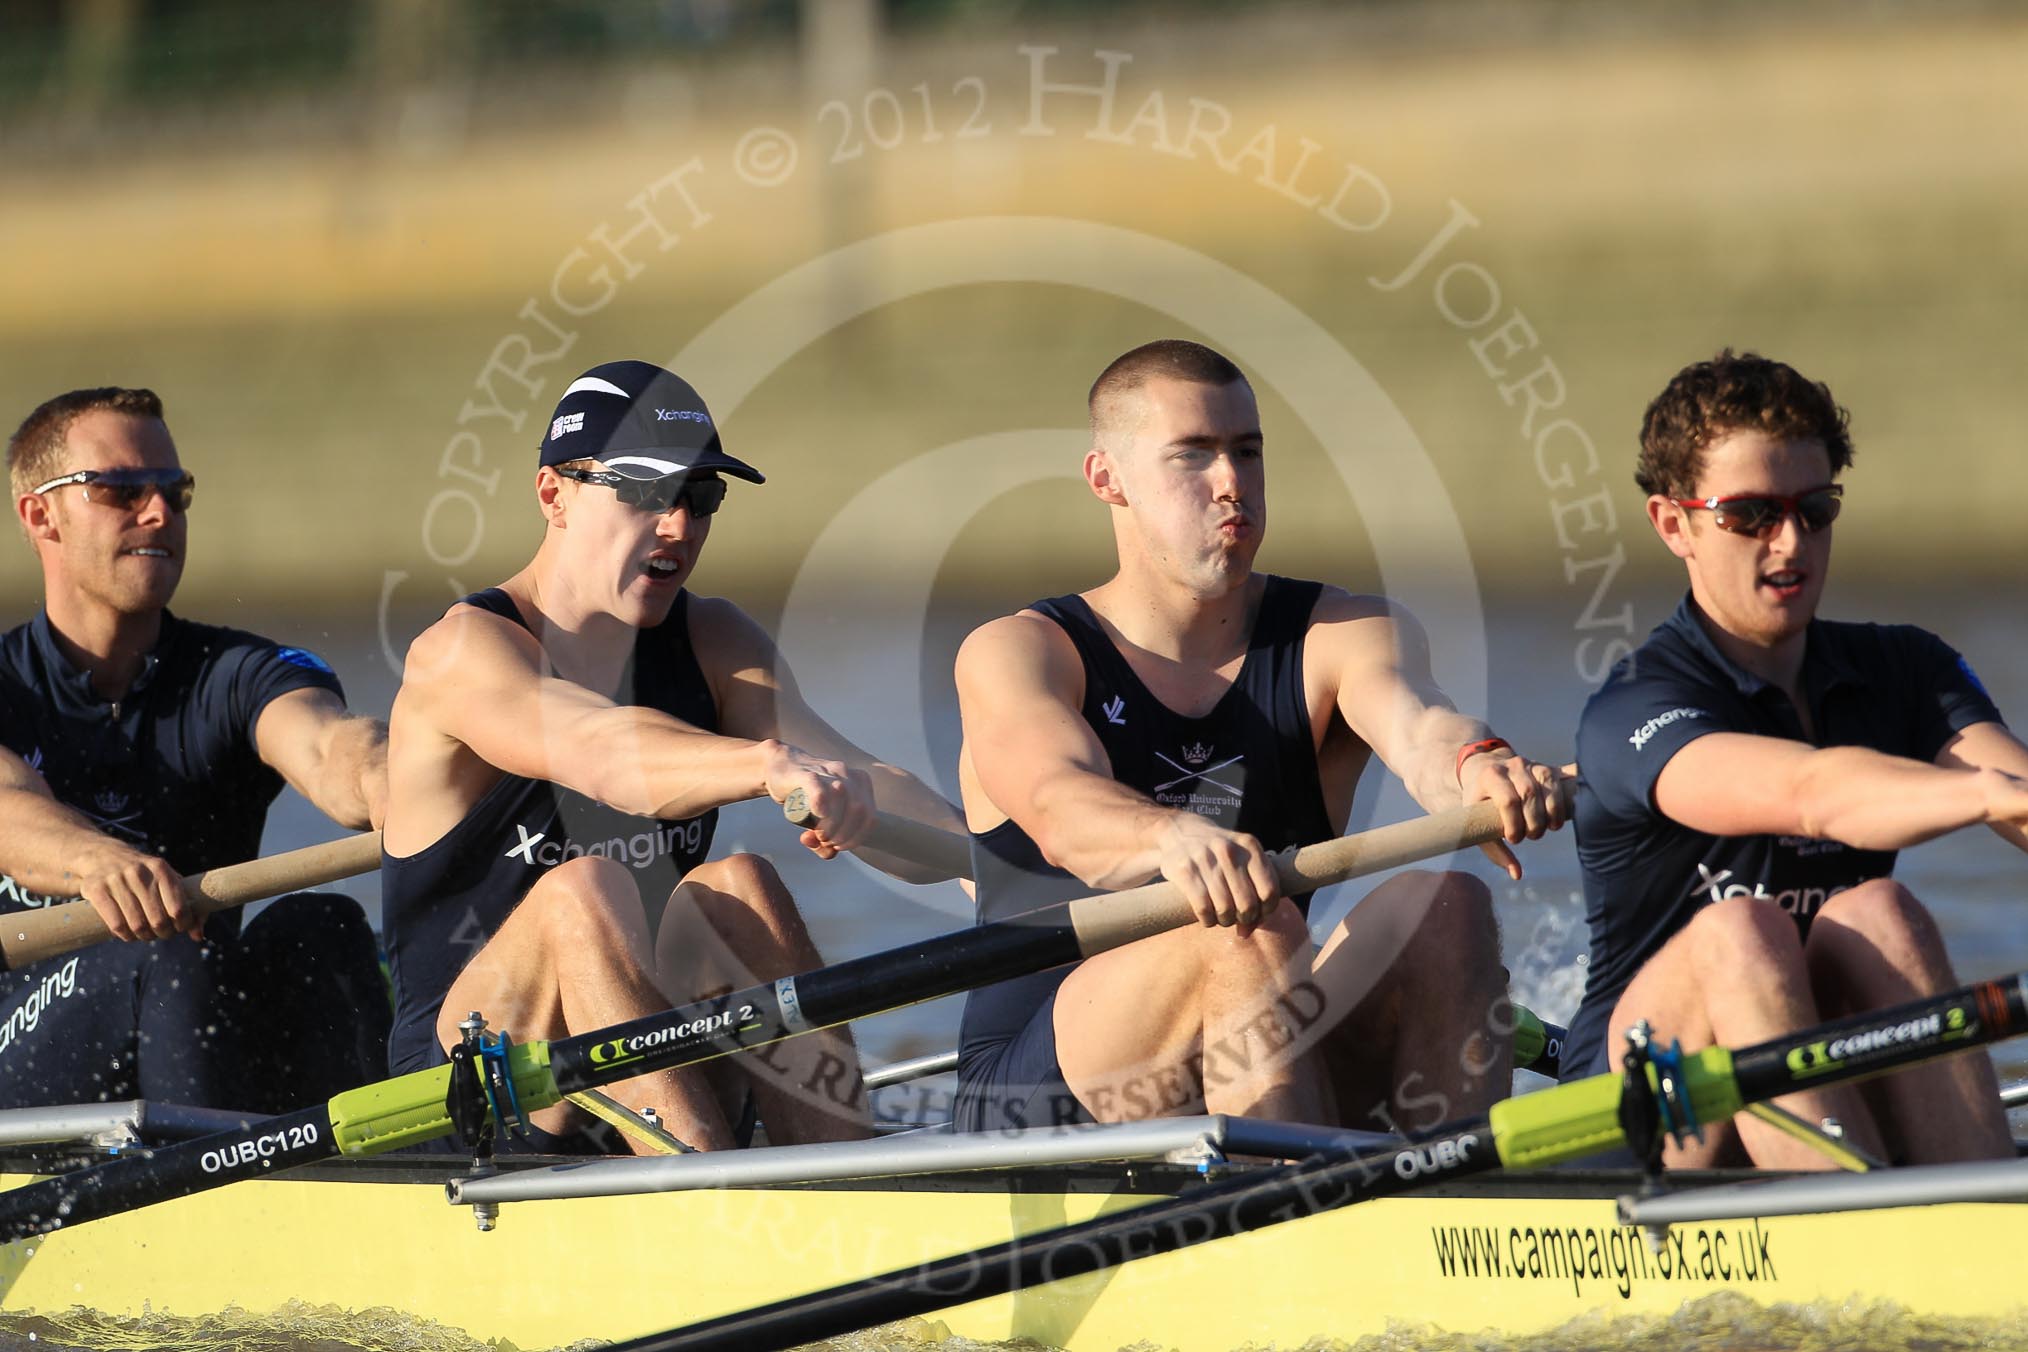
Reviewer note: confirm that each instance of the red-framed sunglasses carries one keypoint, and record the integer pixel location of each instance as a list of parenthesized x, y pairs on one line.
[(1761, 514)]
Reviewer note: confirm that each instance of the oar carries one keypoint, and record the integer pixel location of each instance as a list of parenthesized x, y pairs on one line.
[(31, 936), (412, 1108), (1555, 1125)]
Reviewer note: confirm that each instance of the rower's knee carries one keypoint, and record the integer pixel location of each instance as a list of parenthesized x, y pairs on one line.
[(1742, 934), (1443, 921), (1886, 917), (748, 877), (587, 905), (734, 922), (1281, 934), (735, 892)]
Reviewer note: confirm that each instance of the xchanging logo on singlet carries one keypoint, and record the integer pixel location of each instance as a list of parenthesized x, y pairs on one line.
[(541, 850), (58, 985), (10, 890), (1654, 725), (1716, 885), (1205, 785)]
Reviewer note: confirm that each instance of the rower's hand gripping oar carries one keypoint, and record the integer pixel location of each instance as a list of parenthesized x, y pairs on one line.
[(31, 936), (410, 1109), (1550, 1127), (948, 854)]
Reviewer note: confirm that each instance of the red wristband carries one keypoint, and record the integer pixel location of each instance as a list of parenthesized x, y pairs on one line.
[(1471, 749)]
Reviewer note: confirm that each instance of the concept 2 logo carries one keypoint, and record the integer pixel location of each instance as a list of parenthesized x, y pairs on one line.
[(621, 1050), (1821, 1058)]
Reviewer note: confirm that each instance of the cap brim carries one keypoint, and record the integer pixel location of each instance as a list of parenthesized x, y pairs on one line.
[(665, 462)]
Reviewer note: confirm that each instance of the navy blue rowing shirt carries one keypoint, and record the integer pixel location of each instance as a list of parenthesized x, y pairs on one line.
[(1250, 764), (441, 904), (171, 767), (1895, 689)]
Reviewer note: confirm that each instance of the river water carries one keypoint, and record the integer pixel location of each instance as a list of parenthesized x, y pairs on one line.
[(882, 677)]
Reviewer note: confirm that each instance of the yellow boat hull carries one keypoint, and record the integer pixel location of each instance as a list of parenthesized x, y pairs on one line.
[(1517, 1255)]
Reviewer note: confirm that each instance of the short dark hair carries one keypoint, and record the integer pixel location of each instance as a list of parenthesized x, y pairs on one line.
[(1173, 358), (35, 451), (1733, 393)]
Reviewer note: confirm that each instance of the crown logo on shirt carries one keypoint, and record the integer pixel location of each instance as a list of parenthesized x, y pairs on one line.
[(110, 802), (1196, 753)]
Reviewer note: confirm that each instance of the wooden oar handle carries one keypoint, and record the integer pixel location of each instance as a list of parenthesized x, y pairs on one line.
[(1115, 918), (948, 854), (31, 936)]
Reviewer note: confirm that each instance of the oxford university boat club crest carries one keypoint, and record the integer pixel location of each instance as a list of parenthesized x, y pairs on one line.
[(1205, 782)]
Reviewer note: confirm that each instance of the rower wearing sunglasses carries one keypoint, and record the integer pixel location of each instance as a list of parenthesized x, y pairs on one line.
[(559, 750), (137, 747), (1751, 770)]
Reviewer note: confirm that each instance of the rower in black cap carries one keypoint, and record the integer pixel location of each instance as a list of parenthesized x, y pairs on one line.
[(558, 752)]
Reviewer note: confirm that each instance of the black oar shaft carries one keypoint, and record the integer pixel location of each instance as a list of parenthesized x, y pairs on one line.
[(263, 1146), (1869, 1044), (832, 995)]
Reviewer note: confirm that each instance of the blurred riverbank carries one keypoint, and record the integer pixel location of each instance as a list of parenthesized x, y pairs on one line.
[(358, 334)]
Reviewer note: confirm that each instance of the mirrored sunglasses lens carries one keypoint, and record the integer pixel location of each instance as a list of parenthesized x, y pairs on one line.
[(1747, 516), (1818, 509), (130, 489), (646, 494)]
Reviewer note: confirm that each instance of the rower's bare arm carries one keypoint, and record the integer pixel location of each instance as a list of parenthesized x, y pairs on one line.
[(1739, 784), (1035, 759), (477, 679), (758, 697), (1377, 656), (1990, 746), (50, 848), (337, 761)]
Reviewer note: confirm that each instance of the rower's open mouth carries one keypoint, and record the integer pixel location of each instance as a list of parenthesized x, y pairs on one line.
[(1787, 581), (659, 567)]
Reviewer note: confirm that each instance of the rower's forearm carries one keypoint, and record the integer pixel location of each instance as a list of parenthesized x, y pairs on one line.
[(352, 787), (900, 794), (1872, 801), (47, 847), (1103, 833), (1430, 772), (684, 774)]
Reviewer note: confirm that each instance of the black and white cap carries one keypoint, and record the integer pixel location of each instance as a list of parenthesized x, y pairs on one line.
[(639, 420)]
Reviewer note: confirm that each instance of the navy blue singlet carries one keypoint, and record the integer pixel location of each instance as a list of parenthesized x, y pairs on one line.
[(441, 904), (1250, 764)]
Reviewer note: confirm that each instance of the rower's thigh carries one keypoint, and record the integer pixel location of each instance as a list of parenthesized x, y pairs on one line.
[(1141, 1009), (582, 919)]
